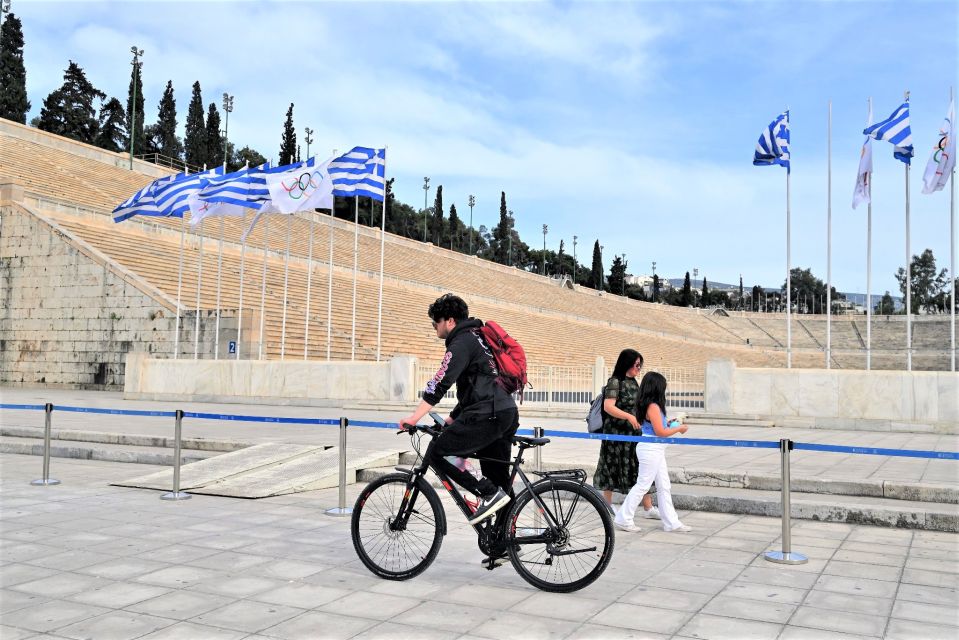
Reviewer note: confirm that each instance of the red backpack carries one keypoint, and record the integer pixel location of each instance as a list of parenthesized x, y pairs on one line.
[(510, 358)]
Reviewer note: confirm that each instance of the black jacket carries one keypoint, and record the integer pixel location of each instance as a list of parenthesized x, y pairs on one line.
[(469, 363)]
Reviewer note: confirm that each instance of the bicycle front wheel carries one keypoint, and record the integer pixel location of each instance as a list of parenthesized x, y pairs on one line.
[(390, 552), (571, 553)]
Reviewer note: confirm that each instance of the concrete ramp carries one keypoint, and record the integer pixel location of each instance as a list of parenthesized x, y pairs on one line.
[(267, 470)]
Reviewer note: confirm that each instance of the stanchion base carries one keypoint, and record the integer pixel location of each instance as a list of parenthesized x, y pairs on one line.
[(337, 511), (44, 481), (780, 557), (176, 495)]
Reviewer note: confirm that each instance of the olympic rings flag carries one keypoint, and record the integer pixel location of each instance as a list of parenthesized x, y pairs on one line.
[(943, 158), (304, 187)]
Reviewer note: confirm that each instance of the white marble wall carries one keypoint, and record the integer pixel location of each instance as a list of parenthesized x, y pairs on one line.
[(270, 379), (834, 396)]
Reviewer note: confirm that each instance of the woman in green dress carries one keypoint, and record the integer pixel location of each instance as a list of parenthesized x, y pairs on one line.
[(617, 467)]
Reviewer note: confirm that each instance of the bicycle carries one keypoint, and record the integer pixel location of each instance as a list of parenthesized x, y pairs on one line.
[(557, 532)]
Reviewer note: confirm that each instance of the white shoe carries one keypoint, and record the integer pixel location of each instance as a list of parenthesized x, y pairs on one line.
[(652, 513), (631, 528), (683, 528)]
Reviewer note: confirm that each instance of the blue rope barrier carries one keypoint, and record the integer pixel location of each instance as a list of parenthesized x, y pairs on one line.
[(703, 442)]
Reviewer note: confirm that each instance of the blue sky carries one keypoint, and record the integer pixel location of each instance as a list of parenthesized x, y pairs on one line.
[(633, 123)]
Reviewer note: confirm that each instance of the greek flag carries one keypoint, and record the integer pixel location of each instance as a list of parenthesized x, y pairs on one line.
[(141, 202), (896, 130), (166, 197), (773, 145), (361, 172), (232, 194)]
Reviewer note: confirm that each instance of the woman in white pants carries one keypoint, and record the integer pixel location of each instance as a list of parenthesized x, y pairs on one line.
[(651, 404)]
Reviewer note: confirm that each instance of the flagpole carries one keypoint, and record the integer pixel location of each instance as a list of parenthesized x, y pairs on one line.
[(356, 241), (199, 280), (329, 292), (789, 326), (239, 317), (869, 261), (266, 242), (219, 270), (309, 282), (908, 276), (952, 243), (286, 280), (829, 242), (379, 317), (179, 289)]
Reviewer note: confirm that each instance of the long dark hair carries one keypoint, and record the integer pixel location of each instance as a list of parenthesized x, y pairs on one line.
[(652, 390), (627, 358)]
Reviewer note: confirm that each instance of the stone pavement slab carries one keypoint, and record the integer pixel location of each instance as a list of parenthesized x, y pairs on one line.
[(279, 568)]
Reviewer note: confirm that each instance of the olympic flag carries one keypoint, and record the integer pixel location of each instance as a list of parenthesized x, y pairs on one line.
[(943, 158), (863, 190), (305, 186)]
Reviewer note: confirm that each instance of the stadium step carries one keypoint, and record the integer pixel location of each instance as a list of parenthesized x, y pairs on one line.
[(728, 420), (138, 454)]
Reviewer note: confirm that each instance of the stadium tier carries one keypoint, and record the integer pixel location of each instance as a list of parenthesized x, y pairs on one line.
[(70, 189)]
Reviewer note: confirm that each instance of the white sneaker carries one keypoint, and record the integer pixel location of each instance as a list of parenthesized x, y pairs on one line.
[(652, 513), (631, 528), (683, 528)]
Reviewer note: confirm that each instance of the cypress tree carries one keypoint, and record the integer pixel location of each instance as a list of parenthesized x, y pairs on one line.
[(69, 111), (436, 227), (687, 297), (111, 134), (655, 288), (168, 142), (136, 111), (499, 246), (214, 141), (740, 292), (596, 274), (704, 301), (195, 139), (454, 229), (14, 104), (288, 142)]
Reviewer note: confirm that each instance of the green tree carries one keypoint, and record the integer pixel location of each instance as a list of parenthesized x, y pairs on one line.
[(168, 143), (596, 273), (704, 296), (686, 298), (656, 288), (214, 141), (111, 129), (69, 111), (136, 110), (741, 299), (617, 275), (809, 292), (288, 141), (195, 138), (926, 282), (436, 224), (14, 104), (455, 231), (499, 241), (245, 157), (886, 306), (756, 298)]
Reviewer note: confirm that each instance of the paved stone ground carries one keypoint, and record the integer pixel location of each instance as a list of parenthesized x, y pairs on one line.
[(574, 452), (88, 560)]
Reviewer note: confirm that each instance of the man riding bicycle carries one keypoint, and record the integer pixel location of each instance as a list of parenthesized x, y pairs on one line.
[(485, 417)]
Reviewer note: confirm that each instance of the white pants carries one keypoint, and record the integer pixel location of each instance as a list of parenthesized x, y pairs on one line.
[(652, 466)]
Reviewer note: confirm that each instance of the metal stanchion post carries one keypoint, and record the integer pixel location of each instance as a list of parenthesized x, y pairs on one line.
[(787, 555), (538, 451), (176, 494), (342, 509), (46, 479)]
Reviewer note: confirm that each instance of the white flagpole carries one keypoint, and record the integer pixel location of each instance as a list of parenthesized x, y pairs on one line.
[(309, 282), (286, 280), (239, 317), (356, 247), (869, 263), (199, 281), (179, 289), (379, 317), (952, 246), (329, 292), (789, 318), (829, 242), (219, 270), (908, 278), (266, 242)]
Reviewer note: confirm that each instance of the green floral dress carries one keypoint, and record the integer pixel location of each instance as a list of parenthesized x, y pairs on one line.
[(617, 467)]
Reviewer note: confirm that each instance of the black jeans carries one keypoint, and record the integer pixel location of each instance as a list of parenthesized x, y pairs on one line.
[(487, 438)]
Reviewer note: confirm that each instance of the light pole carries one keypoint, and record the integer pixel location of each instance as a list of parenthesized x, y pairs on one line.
[(574, 261), (426, 195), (309, 140), (545, 231), (509, 255), (472, 203), (133, 104), (624, 274), (227, 108)]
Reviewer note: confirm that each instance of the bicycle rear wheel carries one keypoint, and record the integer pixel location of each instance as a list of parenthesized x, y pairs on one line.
[(396, 554), (574, 555)]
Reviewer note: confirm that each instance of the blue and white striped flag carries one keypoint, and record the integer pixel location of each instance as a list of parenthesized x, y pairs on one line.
[(773, 145), (360, 172), (141, 202), (166, 197), (895, 129), (233, 194)]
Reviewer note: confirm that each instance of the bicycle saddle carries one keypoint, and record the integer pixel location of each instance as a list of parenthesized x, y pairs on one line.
[(530, 442)]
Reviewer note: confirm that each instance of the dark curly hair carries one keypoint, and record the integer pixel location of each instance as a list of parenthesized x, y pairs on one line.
[(448, 306)]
